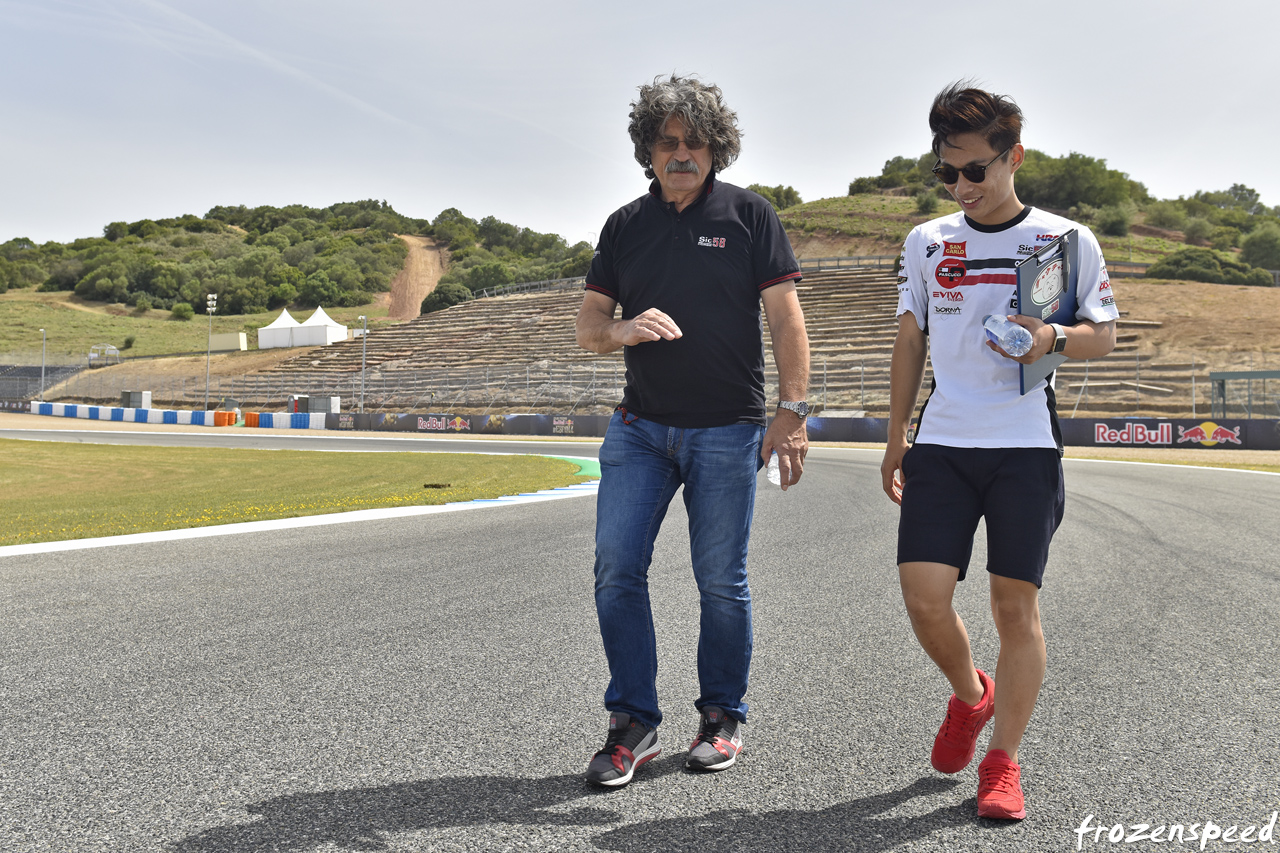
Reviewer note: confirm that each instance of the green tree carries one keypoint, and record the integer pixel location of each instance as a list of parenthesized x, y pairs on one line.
[(1166, 214), (183, 311), (1064, 182), (489, 275), (861, 186), (1197, 229), (1261, 248), (115, 230), (446, 295), (1210, 266), (780, 197), (1114, 219), (319, 290)]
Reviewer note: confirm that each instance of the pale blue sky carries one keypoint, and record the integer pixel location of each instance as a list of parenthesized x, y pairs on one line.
[(131, 109)]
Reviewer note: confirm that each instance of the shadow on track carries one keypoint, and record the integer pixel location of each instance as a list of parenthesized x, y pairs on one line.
[(361, 818), (368, 818), (851, 826)]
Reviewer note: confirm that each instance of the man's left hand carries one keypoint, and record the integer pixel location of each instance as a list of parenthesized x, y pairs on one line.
[(787, 436), (1042, 338)]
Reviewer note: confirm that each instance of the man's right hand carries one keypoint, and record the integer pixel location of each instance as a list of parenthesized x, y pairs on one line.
[(652, 325), (891, 466)]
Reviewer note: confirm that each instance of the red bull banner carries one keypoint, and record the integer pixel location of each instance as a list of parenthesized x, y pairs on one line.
[(1180, 432), (1200, 433)]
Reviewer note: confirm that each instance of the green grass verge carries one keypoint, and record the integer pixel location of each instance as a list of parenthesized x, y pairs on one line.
[(51, 491), (71, 331)]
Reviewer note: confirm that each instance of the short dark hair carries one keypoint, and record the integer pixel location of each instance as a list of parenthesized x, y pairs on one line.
[(963, 108), (700, 108)]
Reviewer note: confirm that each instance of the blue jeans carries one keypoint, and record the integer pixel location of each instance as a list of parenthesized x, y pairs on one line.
[(641, 466)]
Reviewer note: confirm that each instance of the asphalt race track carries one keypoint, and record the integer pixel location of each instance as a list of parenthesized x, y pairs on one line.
[(435, 683)]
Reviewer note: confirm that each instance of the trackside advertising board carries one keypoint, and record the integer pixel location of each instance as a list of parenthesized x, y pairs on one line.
[(1206, 433)]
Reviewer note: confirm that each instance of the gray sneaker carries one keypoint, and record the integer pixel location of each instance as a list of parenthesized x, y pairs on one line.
[(718, 742), (630, 743)]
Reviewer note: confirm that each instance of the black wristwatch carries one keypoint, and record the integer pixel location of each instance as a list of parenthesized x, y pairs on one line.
[(800, 408), (1059, 342)]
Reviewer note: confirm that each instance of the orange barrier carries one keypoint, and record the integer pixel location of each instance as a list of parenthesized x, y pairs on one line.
[(251, 419), (224, 419)]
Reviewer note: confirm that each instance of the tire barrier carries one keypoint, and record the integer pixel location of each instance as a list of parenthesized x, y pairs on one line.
[(133, 416)]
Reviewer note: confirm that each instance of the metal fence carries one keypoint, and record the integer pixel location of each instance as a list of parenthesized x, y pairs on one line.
[(1245, 394)]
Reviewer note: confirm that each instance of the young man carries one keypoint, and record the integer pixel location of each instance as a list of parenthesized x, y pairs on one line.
[(981, 449)]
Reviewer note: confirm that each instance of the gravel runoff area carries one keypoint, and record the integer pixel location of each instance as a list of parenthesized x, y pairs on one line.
[(434, 684)]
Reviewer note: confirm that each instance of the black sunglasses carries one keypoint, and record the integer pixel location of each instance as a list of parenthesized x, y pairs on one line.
[(949, 174)]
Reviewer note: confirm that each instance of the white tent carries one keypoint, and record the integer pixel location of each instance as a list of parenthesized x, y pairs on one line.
[(333, 331), (280, 332)]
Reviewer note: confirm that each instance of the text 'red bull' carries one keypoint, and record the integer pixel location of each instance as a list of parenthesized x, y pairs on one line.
[(1134, 434)]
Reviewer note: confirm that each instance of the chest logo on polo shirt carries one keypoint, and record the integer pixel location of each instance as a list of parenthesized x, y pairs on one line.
[(950, 273), (1045, 238), (930, 249), (954, 249), (714, 242)]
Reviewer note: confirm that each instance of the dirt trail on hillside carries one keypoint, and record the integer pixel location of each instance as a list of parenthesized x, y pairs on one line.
[(422, 269)]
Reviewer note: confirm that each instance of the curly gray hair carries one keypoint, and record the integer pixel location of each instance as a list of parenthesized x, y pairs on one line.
[(701, 110)]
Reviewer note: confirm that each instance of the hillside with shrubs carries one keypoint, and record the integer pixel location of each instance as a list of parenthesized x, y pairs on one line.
[(1225, 236)]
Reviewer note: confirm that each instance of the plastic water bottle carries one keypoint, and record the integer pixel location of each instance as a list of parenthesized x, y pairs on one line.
[(1007, 335), (772, 473)]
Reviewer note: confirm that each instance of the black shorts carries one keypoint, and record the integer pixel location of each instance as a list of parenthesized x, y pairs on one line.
[(947, 489)]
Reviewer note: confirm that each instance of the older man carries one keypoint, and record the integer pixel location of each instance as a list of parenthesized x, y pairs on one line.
[(690, 263)]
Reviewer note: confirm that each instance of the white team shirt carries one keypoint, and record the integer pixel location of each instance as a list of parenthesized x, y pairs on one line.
[(953, 272)]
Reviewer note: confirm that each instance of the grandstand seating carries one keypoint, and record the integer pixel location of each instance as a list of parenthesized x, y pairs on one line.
[(849, 314)]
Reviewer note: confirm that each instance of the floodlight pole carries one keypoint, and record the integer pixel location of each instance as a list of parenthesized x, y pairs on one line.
[(364, 348), (211, 305), (43, 338)]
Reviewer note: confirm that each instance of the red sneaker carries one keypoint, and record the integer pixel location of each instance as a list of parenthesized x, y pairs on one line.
[(957, 739), (1000, 787)]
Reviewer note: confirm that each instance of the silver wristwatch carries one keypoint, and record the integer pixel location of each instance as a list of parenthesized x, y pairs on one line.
[(1060, 339), (800, 408)]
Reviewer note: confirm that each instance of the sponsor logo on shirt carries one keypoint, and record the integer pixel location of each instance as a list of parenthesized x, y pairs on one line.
[(950, 273), (956, 249), (949, 295), (1108, 300), (930, 249), (902, 279), (946, 309), (1024, 249), (1106, 285), (714, 242), (1045, 238)]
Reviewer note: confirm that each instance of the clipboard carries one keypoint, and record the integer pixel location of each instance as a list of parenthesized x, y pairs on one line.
[(1047, 291)]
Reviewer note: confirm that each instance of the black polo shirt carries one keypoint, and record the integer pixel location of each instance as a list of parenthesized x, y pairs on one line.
[(704, 267)]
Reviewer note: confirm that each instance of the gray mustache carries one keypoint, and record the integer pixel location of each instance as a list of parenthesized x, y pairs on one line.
[(681, 166)]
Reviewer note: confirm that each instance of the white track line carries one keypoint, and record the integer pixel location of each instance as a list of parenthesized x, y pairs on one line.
[(302, 521)]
